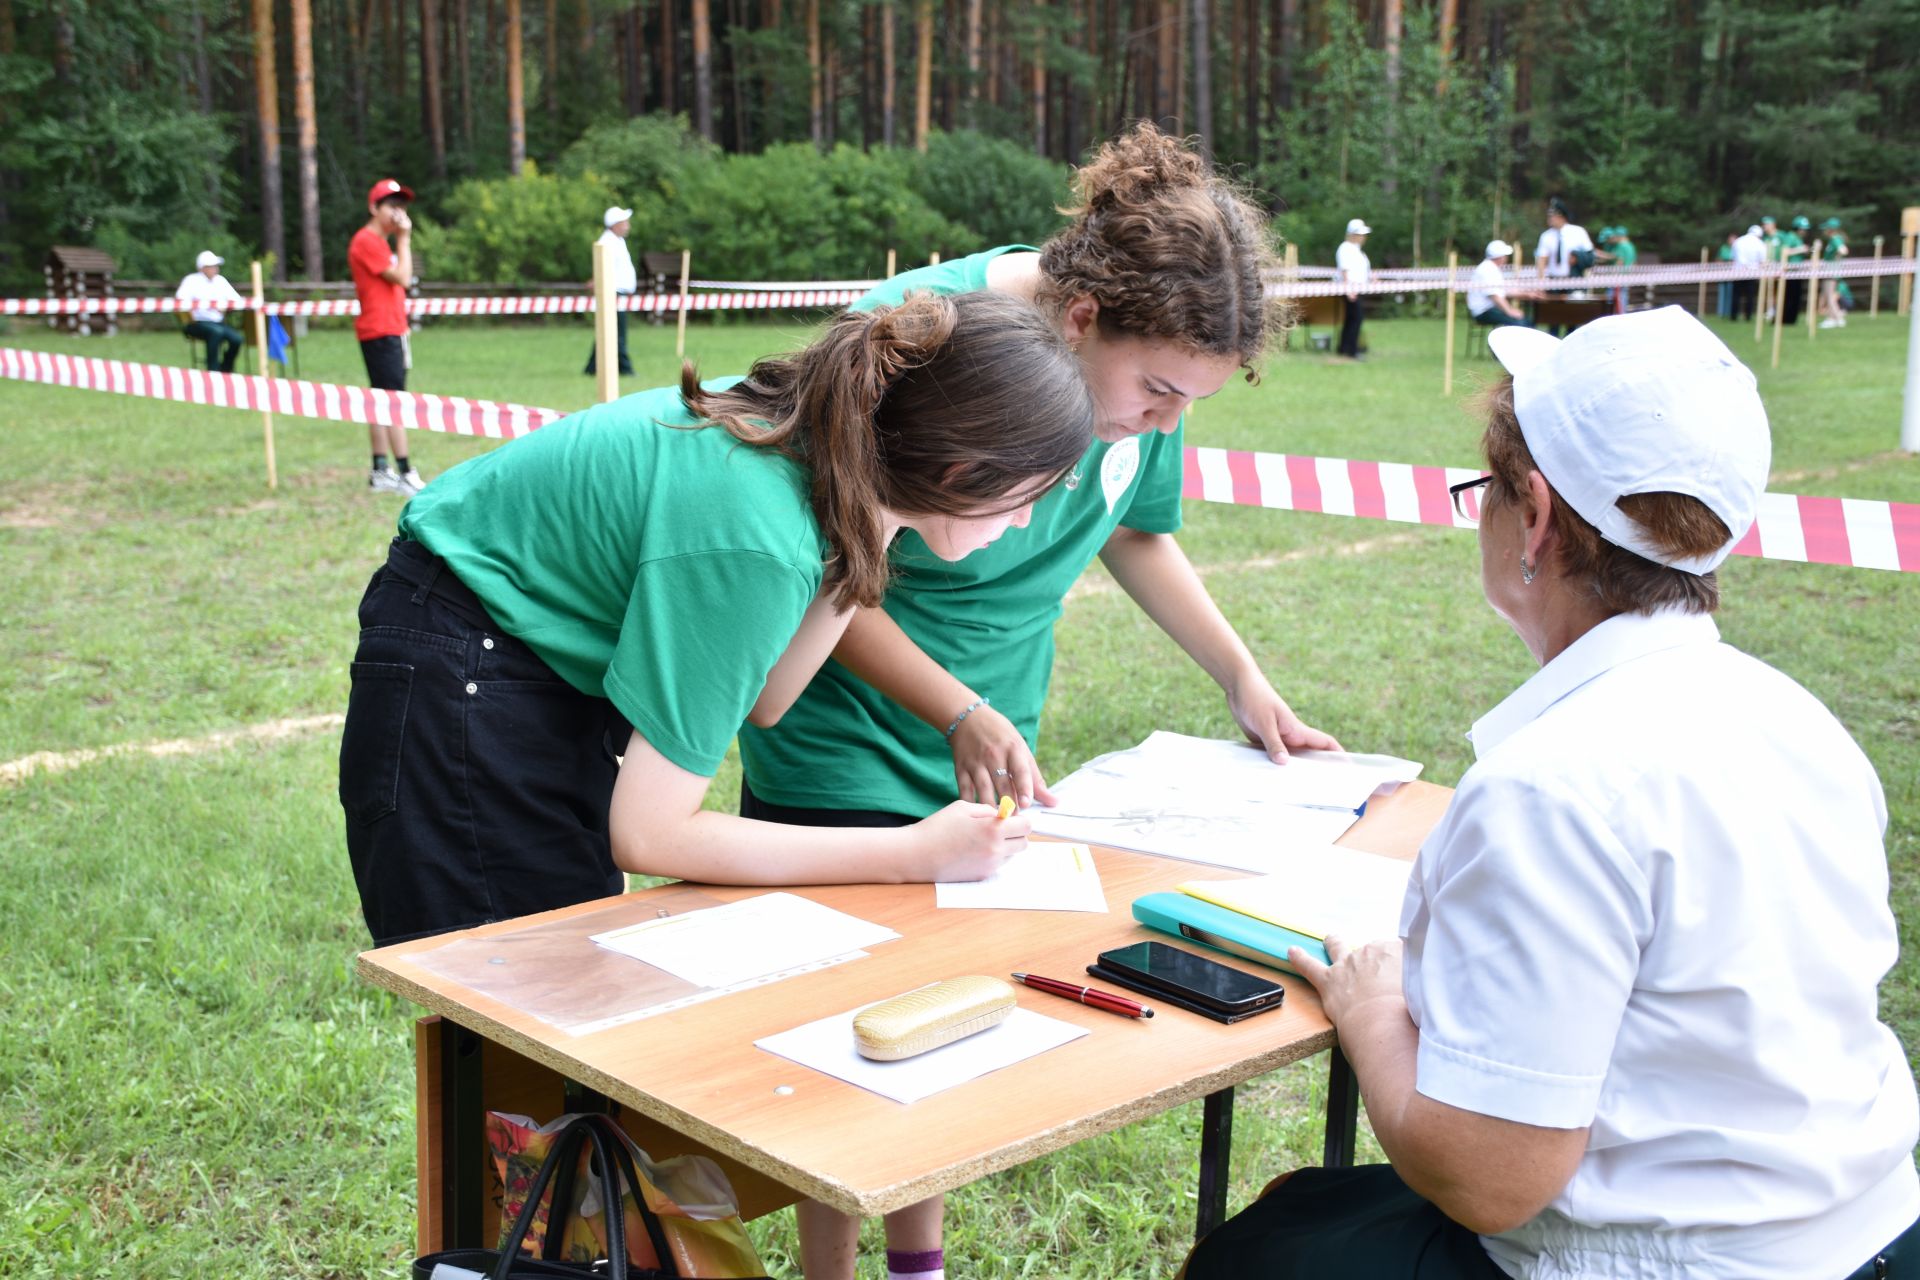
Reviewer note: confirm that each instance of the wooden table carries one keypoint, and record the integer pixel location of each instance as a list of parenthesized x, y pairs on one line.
[(692, 1080)]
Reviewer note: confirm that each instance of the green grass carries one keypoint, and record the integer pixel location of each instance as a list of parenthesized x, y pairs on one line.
[(192, 1082)]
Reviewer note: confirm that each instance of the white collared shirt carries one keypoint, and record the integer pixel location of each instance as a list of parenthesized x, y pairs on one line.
[(1658, 906), (1556, 246), (1353, 262), (209, 298), (1749, 251), (619, 262), (1488, 279)]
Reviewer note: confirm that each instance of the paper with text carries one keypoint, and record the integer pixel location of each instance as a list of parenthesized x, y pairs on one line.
[(1042, 877), (726, 945)]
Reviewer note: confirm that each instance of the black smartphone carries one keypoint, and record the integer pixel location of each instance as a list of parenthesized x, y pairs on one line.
[(1157, 967)]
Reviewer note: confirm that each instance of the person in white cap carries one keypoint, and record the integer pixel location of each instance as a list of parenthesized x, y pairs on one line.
[(1633, 1029), (1487, 300), (618, 222), (208, 295), (1354, 268), (1748, 251)]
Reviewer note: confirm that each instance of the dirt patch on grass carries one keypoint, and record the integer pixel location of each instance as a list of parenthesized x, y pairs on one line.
[(16, 771)]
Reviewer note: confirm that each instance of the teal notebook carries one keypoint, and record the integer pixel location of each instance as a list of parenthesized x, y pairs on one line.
[(1198, 920)]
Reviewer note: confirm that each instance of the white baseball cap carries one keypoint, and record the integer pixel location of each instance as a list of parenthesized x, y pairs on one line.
[(1498, 248), (616, 214), (1359, 227), (1648, 402), (207, 258)]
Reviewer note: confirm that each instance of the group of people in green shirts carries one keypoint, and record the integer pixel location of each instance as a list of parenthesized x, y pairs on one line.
[(1791, 245), (852, 559)]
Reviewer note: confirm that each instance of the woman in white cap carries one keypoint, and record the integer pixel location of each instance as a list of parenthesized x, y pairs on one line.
[(625, 281), (1351, 261), (1633, 1031), (1487, 300)]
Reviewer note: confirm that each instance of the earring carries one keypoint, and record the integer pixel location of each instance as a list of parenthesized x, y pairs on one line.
[(1527, 573)]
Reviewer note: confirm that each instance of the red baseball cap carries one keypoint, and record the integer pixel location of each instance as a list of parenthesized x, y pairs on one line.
[(387, 187)]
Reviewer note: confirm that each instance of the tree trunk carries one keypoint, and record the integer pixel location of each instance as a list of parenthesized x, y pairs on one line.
[(550, 77), (975, 21), (396, 50), (1165, 59), (703, 69), (669, 72), (923, 74), (266, 80), (991, 55), (816, 104), (830, 88), (1391, 15), (463, 61), (585, 46), (1203, 75), (357, 70), (736, 21), (1449, 19), (1283, 47), (516, 95), (308, 138), (1038, 96), (889, 74), (431, 121)]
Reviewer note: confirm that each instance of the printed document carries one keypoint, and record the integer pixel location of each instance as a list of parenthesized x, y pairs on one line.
[(727, 945)]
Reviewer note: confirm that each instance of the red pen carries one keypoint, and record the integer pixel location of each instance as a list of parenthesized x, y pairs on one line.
[(1089, 996)]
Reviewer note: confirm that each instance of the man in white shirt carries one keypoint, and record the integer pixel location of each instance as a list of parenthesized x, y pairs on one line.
[(1750, 250), (1565, 248), (1487, 300), (1354, 268), (208, 296), (618, 222)]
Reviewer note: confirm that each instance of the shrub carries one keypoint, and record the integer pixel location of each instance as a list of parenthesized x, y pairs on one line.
[(534, 228), (639, 159), (998, 189)]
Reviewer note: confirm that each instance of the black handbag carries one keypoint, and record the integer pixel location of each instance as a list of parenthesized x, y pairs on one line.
[(612, 1162)]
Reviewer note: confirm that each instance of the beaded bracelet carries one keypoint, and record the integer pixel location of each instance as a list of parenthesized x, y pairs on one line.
[(973, 707)]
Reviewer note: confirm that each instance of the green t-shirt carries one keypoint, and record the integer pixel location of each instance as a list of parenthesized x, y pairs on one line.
[(1836, 241), (1624, 254), (1726, 253), (663, 569), (1785, 241), (988, 619)]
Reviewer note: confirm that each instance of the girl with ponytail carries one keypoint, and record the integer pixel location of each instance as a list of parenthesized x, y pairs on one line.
[(1158, 286), (569, 630)]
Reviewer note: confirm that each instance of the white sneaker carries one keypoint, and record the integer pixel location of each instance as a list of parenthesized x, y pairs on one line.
[(410, 481), (383, 480), (1829, 324)]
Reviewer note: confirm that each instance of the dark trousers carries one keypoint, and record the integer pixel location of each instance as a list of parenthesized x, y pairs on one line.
[(593, 354), (752, 806), (1350, 327), (1796, 293), (1495, 318), (1321, 1223), (386, 363), (1746, 293), (475, 781), (223, 343)]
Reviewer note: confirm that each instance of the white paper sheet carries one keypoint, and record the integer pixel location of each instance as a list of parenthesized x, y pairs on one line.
[(1041, 877), (827, 1046), (726, 945), (1217, 802)]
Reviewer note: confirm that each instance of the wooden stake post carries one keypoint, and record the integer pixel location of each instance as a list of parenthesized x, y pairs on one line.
[(1700, 309), (1909, 242), (1780, 315), (1453, 265), (1813, 289), (889, 264), (1873, 304), (606, 343), (680, 336), (260, 353)]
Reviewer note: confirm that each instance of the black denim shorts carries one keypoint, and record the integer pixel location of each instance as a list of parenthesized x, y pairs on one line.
[(475, 781)]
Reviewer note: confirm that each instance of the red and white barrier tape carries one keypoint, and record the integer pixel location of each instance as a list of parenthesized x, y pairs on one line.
[(329, 401), (781, 297), (1841, 531)]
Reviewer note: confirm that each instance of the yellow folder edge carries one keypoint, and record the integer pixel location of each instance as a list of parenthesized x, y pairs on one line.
[(1220, 893)]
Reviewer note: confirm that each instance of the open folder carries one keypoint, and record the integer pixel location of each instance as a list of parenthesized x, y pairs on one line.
[(1357, 896)]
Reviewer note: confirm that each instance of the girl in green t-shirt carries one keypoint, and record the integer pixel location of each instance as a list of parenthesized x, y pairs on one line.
[(570, 629), (1159, 284)]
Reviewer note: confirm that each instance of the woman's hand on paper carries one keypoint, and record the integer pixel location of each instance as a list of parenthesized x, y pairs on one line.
[(1269, 723), (967, 841), (991, 759), (1356, 978)]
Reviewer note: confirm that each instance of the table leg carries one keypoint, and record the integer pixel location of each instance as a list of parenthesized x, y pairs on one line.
[(1216, 1148), (462, 1139), (1343, 1111)]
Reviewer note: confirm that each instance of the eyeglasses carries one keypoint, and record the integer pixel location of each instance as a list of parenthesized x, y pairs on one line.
[(1465, 506)]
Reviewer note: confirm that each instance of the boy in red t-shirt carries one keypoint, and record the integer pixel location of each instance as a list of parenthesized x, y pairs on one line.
[(380, 275)]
